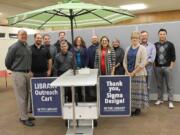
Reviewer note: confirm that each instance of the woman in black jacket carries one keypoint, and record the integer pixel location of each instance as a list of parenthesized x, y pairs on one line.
[(119, 69)]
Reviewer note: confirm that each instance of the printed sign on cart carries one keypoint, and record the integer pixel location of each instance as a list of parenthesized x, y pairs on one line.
[(115, 95), (46, 99)]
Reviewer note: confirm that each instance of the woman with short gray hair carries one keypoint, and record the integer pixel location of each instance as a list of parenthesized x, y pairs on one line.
[(134, 63)]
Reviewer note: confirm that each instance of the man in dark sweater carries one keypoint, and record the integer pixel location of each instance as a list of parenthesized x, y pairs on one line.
[(164, 63), (63, 62), (92, 51), (91, 91)]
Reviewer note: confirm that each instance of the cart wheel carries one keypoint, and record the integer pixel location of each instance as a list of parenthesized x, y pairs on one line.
[(95, 123), (66, 123)]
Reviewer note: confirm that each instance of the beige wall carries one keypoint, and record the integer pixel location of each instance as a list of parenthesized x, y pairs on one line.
[(154, 17)]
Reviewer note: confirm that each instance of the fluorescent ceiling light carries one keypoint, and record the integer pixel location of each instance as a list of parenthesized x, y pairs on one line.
[(132, 7)]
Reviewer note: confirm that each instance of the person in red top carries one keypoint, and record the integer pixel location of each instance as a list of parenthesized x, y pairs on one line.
[(105, 57), (103, 65)]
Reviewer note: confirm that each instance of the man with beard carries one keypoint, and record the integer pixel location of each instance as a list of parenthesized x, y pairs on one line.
[(47, 44), (51, 48), (41, 58)]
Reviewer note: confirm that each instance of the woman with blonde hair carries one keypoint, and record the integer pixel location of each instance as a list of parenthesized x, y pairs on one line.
[(105, 57), (134, 64)]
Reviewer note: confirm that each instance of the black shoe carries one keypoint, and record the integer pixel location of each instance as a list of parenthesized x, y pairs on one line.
[(137, 111), (30, 111), (31, 119), (27, 123), (133, 113)]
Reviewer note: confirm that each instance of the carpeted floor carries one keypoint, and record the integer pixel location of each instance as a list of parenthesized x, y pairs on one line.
[(155, 121)]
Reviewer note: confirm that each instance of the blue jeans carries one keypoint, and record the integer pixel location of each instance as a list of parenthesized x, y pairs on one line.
[(164, 75)]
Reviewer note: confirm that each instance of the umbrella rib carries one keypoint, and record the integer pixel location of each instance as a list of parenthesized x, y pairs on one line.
[(79, 12), (75, 22), (46, 21), (59, 12), (51, 13), (27, 18), (100, 17), (118, 12), (86, 11)]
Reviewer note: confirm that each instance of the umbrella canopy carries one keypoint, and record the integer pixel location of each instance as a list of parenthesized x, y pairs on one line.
[(61, 15)]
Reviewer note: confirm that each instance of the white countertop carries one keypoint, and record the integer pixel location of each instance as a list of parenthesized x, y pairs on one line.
[(69, 79)]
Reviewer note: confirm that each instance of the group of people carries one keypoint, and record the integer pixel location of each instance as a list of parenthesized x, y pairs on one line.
[(138, 61), (140, 58)]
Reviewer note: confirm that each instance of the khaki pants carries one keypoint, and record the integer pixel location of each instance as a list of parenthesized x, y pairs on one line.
[(21, 86)]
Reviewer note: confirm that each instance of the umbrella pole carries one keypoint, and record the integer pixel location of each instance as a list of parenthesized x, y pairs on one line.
[(74, 71), (72, 39)]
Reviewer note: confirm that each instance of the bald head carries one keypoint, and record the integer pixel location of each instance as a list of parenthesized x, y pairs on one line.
[(22, 35), (94, 39)]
